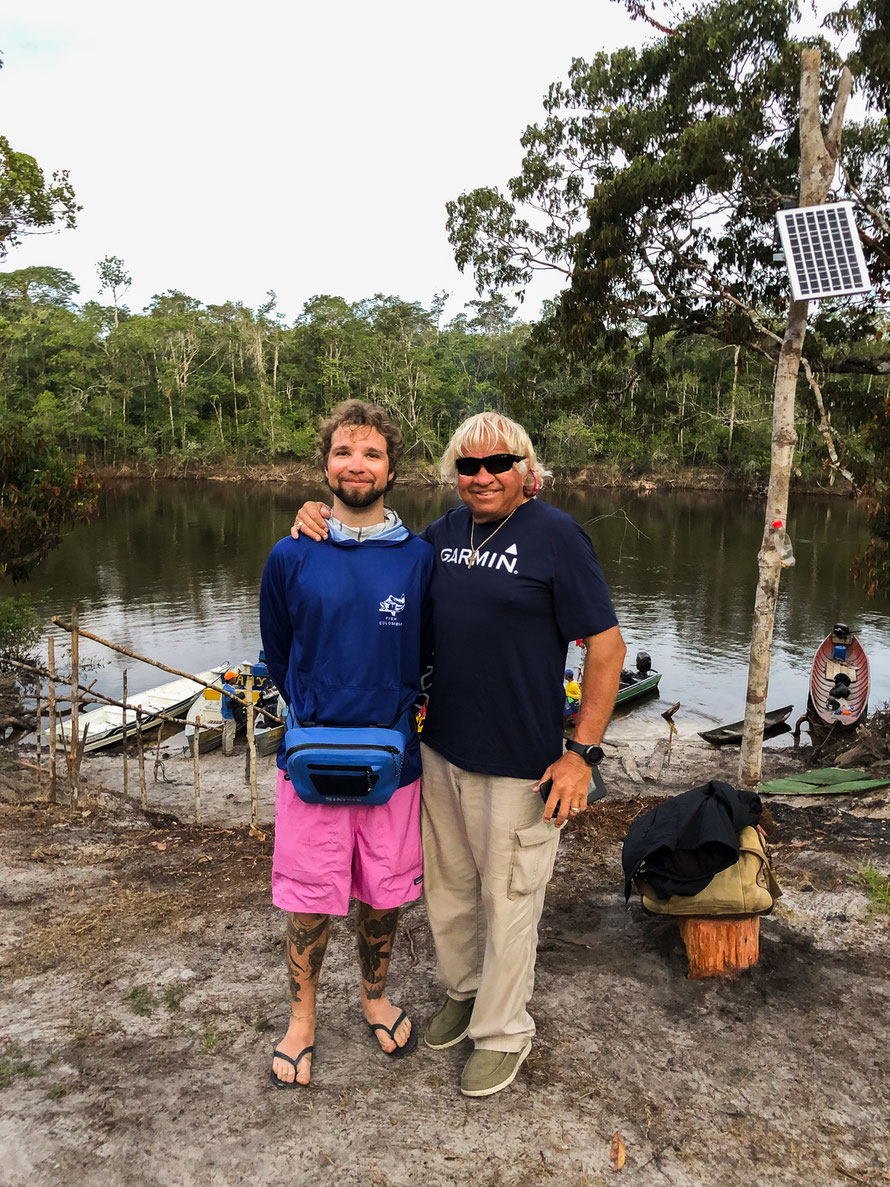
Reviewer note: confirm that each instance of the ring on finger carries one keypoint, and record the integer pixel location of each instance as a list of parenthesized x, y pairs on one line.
[(299, 525)]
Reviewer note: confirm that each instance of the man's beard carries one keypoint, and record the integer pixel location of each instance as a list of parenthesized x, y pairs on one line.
[(357, 496)]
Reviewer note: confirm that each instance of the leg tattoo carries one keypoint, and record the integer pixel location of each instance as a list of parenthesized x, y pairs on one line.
[(375, 933), (305, 944)]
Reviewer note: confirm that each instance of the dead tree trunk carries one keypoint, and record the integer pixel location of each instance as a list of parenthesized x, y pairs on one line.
[(818, 160)]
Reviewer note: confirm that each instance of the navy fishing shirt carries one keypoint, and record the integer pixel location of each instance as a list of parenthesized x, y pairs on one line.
[(501, 629)]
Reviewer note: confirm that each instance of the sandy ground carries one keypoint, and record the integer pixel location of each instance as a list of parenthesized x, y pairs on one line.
[(143, 988)]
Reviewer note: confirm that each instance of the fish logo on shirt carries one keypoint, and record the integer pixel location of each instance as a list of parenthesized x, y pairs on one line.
[(393, 605)]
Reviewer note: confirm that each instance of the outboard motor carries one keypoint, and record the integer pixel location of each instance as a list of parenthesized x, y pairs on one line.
[(840, 637), (644, 662)]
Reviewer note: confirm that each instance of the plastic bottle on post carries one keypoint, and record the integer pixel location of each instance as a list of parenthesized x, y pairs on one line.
[(783, 544)]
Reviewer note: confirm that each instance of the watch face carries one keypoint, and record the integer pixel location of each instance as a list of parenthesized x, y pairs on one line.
[(591, 754)]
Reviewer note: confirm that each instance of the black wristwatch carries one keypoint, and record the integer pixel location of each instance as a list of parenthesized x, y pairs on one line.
[(592, 754)]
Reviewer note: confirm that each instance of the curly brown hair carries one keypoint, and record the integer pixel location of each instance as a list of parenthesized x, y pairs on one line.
[(361, 415)]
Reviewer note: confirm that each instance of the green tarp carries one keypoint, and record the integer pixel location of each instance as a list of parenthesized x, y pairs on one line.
[(830, 781)]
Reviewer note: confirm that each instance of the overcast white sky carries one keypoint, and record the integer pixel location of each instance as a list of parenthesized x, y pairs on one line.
[(224, 150)]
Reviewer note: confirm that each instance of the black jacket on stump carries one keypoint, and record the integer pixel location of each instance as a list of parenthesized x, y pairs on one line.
[(679, 846)]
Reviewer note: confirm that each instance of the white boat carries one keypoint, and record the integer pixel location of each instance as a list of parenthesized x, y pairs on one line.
[(208, 706), (269, 733), (110, 724)]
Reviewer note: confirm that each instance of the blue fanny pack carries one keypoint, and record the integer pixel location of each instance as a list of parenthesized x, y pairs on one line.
[(346, 765)]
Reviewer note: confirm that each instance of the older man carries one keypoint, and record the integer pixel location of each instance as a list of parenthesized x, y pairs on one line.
[(515, 580)]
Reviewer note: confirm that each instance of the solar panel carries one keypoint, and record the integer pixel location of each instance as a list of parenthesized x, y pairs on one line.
[(822, 251)]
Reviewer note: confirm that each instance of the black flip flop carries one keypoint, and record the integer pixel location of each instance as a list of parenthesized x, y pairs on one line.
[(294, 1083), (410, 1045)]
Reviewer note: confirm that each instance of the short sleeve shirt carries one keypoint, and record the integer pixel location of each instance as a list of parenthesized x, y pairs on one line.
[(501, 627)]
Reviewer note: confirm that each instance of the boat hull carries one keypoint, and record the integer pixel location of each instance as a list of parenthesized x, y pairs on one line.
[(106, 726), (851, 710), (208, 706), (773, 723)]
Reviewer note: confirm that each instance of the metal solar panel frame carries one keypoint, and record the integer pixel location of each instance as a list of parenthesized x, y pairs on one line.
[(823, 254)]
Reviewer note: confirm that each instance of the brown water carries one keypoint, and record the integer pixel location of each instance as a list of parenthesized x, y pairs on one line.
[(172, 570)]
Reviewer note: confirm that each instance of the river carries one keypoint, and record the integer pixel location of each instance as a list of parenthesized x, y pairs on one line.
[(172, 570)]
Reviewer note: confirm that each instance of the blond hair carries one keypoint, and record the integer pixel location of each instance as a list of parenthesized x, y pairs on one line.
[(484, 431)]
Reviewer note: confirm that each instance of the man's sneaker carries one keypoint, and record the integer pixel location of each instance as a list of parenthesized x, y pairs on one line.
[(486, 1072), (450, 1024)]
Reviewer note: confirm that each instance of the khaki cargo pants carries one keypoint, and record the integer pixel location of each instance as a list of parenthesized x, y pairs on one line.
[(488, 857)]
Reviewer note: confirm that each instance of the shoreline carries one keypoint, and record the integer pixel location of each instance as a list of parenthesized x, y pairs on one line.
[(601, 476)]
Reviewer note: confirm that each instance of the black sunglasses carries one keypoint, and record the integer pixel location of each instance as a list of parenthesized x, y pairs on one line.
[(495, 463)]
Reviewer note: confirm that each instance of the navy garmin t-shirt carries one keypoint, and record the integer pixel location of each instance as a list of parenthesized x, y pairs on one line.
[(501, 628)]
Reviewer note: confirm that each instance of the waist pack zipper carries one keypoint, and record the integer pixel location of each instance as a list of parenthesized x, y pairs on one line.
[(390, 750)]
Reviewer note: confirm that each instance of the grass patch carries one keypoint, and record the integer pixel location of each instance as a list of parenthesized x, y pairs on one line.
[(12, 1065), (877, 887), (208, 1044), (141, 1001), (57, 1092), (173, 995)]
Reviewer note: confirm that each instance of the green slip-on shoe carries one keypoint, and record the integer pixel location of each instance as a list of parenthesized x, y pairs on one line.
[(487, 1072), (449, 1024)]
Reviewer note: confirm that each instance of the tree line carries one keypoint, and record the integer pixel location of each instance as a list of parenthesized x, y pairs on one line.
[(187, 382)]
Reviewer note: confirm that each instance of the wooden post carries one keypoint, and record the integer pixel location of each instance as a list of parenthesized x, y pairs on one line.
[(140, 752), (124, 720), (74, 747), (51, 710), (196, 754), (39, 715), (720, 946), (158, 752), (251, 750)]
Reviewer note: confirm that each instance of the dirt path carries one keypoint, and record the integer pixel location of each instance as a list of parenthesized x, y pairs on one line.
[(143, 987)]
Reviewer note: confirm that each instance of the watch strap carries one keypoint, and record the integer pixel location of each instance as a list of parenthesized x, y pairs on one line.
[(584, 750)]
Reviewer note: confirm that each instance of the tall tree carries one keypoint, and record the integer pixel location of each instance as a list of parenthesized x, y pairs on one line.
[(113, 275)]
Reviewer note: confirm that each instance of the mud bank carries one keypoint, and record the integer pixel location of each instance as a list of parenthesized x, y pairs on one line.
[(143, 988), (602, 476)]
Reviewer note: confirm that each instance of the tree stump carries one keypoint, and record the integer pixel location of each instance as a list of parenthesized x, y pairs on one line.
[(720, 946)]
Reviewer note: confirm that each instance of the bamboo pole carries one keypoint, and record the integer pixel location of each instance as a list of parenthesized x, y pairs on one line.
[(74, 748), (251, 751), (155, 663), (196, 755), (124, 721), (140, 751), (51, 709)]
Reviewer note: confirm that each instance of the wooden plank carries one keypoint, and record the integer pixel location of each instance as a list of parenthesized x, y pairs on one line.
[(655, 765), (630, 765)]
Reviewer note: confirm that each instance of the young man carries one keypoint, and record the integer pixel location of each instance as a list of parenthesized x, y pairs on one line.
[(341, 630)]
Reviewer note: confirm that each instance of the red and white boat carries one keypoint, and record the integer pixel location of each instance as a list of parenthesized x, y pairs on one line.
[(838, 682)]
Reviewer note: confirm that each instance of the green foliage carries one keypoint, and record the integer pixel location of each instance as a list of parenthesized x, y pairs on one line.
[(41, 495), (877, 887), (20, 628), (209, 1042), (173, 996), (142, 1003), (654, 179), (38, 285), (12, 1065), (27, 201)]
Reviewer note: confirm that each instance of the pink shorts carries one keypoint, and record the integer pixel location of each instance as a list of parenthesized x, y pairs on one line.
[(326, 854)]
